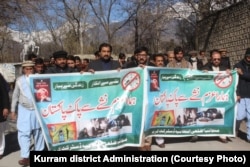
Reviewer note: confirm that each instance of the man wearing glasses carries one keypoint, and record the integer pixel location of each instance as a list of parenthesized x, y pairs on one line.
[(216, 65), (141, 58)]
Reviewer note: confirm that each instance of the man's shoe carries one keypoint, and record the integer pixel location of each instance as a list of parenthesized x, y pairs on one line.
[(1, 156), (24, 162), (193, 139), (248, 140), (161, 145), (223, 140)]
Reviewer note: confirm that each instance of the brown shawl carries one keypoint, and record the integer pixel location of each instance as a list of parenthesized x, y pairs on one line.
[(184, 64)]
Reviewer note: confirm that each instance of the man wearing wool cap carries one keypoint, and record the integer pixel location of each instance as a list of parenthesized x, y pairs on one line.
[(60, 63)]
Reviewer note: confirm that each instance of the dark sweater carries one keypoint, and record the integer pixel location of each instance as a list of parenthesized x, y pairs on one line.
[(243, 87), (4, 98)]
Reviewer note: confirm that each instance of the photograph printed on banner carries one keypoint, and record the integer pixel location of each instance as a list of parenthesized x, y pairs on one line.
[(62, 132), (163, 118), (199, 116), (185, 116), (103, 127), (42, 90), (211, 116)]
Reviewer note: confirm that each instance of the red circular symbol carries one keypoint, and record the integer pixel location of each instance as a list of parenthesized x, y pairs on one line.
[(131, 81), (223, 80)]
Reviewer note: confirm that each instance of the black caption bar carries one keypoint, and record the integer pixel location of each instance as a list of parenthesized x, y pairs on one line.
[(77, 158)]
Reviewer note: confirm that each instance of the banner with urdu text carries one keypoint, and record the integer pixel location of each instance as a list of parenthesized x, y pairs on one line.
[(109, 110), (190, 102), (101, 111)]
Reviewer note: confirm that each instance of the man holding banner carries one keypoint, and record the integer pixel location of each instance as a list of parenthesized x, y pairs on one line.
[(141, 55), (105, 62), (215, 65), (60, 63), (27, 123)]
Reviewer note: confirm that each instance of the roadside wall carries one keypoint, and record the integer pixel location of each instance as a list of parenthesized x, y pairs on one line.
[(229, 29)]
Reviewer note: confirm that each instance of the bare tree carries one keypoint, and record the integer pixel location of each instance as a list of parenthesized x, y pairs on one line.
[(47, 13), (106, 11), (151, 23), (125, 24), (31, 16), (76, 15), (11, 13)]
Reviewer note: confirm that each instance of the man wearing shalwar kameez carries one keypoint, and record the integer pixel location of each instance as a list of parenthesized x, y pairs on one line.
[(27, 123)]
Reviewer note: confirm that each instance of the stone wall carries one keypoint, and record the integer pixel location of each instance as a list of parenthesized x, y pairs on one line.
[(229, 29)]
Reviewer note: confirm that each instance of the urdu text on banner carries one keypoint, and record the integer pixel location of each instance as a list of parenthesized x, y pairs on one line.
[(190, 102)]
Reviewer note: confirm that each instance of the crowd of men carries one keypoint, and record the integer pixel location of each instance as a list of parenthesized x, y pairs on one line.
[(62, 62)]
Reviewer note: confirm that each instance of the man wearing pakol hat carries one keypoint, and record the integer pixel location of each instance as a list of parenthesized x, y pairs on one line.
[(243, 92), (60, 63), (27, 123)]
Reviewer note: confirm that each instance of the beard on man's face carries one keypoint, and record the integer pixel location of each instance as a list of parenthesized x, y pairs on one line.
[(62, 64), (178, 59), (105, 58)]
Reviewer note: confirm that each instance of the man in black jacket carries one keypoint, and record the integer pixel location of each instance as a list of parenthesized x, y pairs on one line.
[(194, 61), (4, 111), (60, 64), (225, 61), (105, 62), (215, 64), (243, 92), (141, 58)]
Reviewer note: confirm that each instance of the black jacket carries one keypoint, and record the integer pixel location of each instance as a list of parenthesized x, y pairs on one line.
[(208, 67), (131, 64), (4, 98), (100, 65), (225, 61), (243, 87), (55, 69)]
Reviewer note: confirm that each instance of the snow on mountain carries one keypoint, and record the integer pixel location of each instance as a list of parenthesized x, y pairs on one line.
[(44, 36), (183, 9), (180, 10)]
